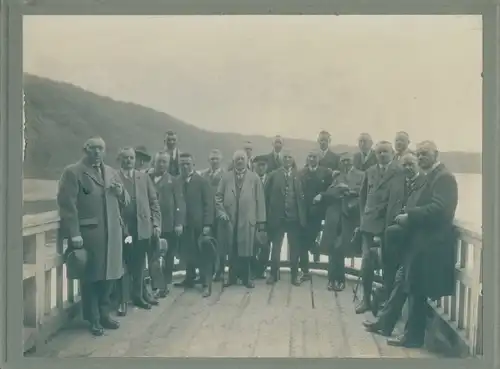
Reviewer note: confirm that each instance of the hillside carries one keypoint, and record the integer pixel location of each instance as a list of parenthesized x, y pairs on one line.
[(61, 117)]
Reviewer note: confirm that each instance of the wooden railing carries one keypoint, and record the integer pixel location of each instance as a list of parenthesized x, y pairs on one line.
[(50, 301), (464, 311)]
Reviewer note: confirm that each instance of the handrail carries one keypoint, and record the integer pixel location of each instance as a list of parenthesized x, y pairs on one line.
[(50, 301)]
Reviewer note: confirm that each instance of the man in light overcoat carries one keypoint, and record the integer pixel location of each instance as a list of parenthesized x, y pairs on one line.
[(142, 220), (89, 198), (240, 205)]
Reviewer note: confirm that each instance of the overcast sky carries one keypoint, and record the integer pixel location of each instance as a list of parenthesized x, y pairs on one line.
[(289, 75)]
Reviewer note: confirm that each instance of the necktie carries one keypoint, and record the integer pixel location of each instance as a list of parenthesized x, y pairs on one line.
[(98, 170)]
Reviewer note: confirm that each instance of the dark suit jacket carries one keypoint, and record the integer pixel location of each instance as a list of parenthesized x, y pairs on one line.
[(430, 262), (199, 202), (361, 163), (272, 163), (314, 183), (174, 167), (148, 210), (330, 160), (171, 200), (275, 198), (374, 196)]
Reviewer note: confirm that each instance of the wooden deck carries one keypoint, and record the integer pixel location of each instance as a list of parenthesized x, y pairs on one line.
[(268, 321)]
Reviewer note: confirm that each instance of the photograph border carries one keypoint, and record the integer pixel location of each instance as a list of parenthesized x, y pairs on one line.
[(11, 256)]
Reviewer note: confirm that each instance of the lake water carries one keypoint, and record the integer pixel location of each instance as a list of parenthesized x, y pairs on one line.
[(470, 199)]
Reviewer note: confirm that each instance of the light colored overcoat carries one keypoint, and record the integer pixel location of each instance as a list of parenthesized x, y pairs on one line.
[(90, 209), (250, 210)]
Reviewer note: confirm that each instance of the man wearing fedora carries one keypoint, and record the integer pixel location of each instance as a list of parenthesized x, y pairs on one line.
[(90, 196), (142, 219), (142, 158)]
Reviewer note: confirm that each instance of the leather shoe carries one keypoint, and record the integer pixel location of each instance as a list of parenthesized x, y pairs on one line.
[(402, 341), (96, 329), (108, 323), (250, 284), (142, 304), (374, 327), (362, 308), (151, 301), (122, 310)]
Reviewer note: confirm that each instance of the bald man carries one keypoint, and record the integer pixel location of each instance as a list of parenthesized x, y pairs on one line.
[(241, 208), (89, 198), (365, 157), (430, 261)]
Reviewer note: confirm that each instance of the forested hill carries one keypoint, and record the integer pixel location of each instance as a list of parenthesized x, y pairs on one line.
[(61, 116)]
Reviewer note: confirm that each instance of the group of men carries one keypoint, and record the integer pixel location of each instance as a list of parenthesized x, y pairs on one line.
[(379, 201)]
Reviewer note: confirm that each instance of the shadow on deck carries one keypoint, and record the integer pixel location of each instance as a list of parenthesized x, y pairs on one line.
[(268, 321)]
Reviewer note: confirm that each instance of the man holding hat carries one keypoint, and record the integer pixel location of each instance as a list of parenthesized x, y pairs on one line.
[(315, 180), (262, 247), (89, 198)]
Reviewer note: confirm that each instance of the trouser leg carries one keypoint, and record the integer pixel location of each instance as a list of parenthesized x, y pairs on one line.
[(276, 244), (417, 318), (391, 312), (391, 248)]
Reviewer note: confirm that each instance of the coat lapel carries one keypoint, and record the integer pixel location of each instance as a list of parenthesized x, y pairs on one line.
[(387, 175), (93, 174)]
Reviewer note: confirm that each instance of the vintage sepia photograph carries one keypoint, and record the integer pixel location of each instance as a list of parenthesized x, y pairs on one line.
[(252, 186)]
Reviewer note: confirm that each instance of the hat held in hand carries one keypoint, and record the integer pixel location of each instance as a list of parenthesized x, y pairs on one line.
[(76, 263)]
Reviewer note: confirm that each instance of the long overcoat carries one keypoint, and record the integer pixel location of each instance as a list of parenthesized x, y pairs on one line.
[(147, 209), (430, 261), (90, 209), (249, 211)]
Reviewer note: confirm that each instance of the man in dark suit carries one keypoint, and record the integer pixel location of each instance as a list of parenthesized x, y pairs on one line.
[(199, 220), (365, 157), (341, 220), (396, 239), (374, 198), (142, 220), (275, 158), (173, 152), (90, 197), (286, 213), (262, 245), (327, 158), (429, 264), (315, 180), (213, 175), (173, 217)]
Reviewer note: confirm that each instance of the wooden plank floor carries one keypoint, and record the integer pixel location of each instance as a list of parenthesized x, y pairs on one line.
[(268, 321)]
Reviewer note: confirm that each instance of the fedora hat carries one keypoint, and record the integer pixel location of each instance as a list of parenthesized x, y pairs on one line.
[(76, 263), (142, 151)]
